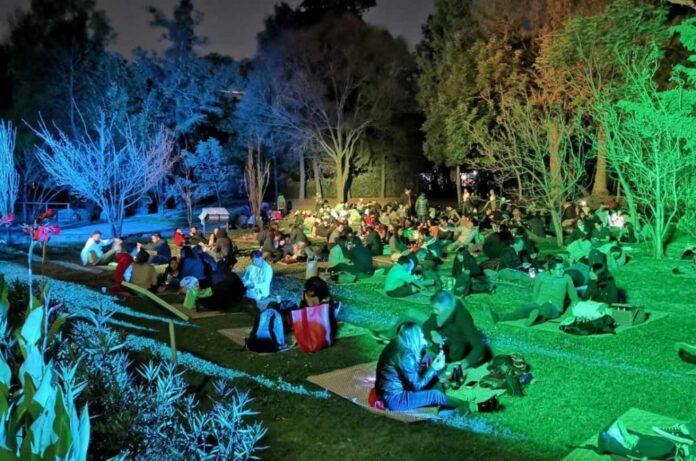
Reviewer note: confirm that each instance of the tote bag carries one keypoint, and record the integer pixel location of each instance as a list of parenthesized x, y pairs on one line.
[(312, 327)]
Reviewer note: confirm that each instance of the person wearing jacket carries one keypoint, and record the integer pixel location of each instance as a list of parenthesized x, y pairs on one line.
[(451, 328), (406, 378), (161, 248)]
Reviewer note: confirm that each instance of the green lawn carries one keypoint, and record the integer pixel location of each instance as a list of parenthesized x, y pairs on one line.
[(581, 383)]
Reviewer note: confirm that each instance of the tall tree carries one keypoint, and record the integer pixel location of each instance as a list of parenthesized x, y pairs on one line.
[(327, 86), (55, 52), (579, 61), (9, 178)]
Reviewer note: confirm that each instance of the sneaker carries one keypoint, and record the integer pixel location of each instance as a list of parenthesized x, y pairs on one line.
[(533, 318), (676, 433), (491, 313), (687, 352)]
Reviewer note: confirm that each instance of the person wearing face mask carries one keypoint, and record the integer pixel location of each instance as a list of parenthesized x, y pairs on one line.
[(550, 293), (451, 329)]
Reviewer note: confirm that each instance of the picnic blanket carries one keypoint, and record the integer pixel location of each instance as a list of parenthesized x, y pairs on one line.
[(635, 420), (175, 308), (354, 384), (239, 334), (553, 325)]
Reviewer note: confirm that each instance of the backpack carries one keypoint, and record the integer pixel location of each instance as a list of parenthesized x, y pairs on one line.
[(601, 325), (268, 334)]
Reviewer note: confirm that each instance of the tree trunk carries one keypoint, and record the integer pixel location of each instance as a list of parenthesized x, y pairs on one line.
[(303, 178), (383, 179), (340, 185), (599, 187), (275, 176), (317, 176), (557, 227), (458, 181)]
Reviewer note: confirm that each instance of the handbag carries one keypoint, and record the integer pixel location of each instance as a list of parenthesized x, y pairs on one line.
[(312, 327)]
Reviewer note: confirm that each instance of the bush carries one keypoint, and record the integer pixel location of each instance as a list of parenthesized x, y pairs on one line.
[(145, 412)]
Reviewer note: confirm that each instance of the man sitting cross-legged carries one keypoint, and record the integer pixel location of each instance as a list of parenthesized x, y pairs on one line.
[(401, 281), (550, 293), (257, 277), (93, 253), (161, 248)]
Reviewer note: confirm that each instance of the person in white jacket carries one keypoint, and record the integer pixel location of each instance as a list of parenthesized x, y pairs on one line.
[(93, 252), (257, 277)]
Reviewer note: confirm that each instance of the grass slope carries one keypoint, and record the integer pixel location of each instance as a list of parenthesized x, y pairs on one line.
[(581, 383)]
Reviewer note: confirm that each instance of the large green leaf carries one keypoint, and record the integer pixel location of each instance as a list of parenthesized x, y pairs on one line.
[(31, 330)]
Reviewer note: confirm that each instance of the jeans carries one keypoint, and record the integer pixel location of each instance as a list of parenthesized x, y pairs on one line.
[(409, 400), (547, 311)]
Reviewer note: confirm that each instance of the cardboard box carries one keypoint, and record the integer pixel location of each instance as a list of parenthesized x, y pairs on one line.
[(627, 315)]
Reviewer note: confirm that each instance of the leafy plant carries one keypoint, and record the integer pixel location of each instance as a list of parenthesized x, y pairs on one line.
[(38, 416)]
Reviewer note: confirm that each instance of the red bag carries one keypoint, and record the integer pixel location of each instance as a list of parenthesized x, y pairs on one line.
[(312, 327)]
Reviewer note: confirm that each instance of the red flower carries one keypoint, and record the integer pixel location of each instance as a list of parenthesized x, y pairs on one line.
[(7, 220), (47, 214)]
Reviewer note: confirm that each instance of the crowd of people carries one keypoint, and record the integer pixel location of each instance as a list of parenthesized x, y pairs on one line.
[(489, 242)]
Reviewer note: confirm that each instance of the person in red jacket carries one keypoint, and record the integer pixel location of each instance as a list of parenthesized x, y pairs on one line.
[(179, 237)]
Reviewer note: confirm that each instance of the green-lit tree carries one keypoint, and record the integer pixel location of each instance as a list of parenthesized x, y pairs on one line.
[(651, 135)]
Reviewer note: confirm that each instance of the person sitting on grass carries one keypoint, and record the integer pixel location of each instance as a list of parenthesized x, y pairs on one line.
[(161, 248), (141, 272), (401, 282), (179, 238), (405, 380), (93, 254), (361, 257), (194, 237), (451, 328), (257, 277), (338, 261), (373, 241), (169, 280), (550, 293), (397, 243)]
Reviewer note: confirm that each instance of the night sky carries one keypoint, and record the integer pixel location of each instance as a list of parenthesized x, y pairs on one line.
[(230, 25)]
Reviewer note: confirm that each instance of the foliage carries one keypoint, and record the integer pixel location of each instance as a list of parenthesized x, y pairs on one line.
[(145, 412), (38, 413), (323, 88), (56, 49), (9, 178), (652, 136), (109, 165)]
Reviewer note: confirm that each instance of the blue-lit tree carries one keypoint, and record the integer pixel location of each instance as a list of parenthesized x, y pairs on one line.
[(107, 164)]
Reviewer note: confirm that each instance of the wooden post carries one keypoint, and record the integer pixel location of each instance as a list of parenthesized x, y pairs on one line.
[(172, 341)]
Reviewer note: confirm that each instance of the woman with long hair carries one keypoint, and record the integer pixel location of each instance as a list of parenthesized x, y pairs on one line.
[(405, 380)]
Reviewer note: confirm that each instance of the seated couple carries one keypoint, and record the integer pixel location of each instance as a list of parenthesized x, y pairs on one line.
[(410, 365)]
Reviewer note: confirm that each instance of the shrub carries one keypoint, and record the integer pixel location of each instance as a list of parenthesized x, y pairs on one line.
[(145, 411)]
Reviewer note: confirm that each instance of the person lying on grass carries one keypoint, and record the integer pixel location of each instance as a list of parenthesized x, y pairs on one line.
[(401, 282), (406, 378), (550, 293)]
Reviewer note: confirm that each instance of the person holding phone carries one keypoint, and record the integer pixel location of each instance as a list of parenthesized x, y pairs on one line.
[(406, 378)]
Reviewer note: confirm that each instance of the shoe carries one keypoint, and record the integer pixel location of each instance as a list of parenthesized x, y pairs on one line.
[(687, 352), (533, 318), (675, 433), (491, 313)]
